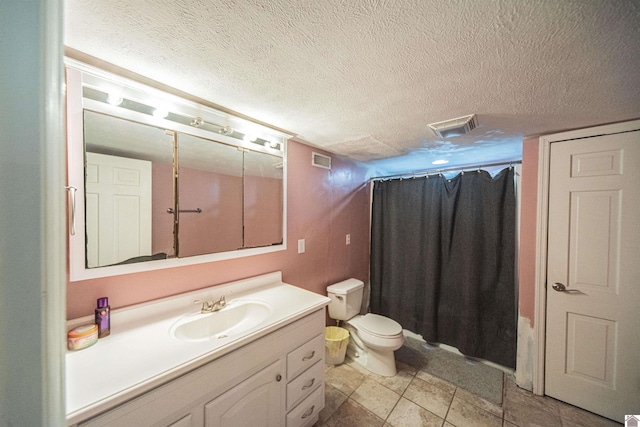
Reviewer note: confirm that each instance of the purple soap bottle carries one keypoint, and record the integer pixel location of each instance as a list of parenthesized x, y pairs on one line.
[(103, 317)]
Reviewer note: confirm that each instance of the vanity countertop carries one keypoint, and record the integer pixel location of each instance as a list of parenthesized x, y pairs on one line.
[(140, 353)]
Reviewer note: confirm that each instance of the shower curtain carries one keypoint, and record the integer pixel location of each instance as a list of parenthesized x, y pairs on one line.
[(442, 260)]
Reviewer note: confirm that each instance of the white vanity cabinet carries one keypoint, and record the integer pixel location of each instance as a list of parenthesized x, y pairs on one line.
[(276, 380)]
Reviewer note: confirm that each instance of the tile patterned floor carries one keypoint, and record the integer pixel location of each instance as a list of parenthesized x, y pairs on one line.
[(357, 398)]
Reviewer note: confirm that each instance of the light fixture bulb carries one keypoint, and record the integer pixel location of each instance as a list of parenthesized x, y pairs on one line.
[(114, 99), (160, 113), (440, 162), (249, 138), (226, 130)]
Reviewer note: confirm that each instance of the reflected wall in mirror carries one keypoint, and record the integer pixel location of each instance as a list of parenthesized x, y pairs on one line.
[(155, 191), (262, 199), (210, 180)]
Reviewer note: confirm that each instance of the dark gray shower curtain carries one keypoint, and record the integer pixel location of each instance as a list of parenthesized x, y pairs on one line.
[(442, 260)]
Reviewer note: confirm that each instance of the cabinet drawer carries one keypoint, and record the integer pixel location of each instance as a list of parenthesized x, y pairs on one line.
[(305, 384), (306, 413), (304, 356)]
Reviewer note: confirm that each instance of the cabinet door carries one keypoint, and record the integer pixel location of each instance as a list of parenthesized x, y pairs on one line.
[(254, 402)]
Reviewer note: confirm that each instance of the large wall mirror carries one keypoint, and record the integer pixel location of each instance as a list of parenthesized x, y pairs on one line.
[(153, 190)]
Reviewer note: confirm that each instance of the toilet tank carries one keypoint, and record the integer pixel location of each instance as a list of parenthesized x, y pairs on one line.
[(346, 299)]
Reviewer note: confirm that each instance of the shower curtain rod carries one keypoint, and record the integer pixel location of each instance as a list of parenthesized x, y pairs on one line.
[(453, 168)]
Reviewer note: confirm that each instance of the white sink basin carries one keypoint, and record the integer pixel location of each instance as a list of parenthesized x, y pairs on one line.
[(237, 317)]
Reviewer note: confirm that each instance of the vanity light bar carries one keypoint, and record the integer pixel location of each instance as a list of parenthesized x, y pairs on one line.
[(159, 112)]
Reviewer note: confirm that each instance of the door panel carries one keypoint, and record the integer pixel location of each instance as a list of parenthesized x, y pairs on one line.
[(593, 333), (593, 251), (590, 348)]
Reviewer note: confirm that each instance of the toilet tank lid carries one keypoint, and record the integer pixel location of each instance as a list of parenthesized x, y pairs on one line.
[(346, 286)]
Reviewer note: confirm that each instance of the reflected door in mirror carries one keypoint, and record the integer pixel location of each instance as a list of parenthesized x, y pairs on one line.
[(118, 209)]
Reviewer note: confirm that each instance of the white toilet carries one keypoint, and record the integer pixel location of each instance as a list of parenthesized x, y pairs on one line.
[(373, 338)]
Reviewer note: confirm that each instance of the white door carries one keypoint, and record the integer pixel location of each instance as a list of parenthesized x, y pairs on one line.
[(118, 209), (593, 277)]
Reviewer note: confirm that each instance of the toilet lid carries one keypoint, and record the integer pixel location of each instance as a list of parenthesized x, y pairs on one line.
[(379, 325)]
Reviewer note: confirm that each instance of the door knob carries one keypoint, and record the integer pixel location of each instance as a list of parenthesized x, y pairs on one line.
[(559, 287)]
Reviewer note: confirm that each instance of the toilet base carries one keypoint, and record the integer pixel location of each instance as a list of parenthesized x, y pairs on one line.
[(382, 363)]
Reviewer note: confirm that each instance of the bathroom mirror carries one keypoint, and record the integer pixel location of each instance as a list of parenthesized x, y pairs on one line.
[(151, 191)]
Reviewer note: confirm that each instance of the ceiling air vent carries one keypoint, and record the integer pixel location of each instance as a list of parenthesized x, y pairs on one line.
[(320, 160), (455, 127)]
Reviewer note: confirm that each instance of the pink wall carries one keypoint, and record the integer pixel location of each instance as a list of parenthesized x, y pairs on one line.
[(323, 206), (528, 220)]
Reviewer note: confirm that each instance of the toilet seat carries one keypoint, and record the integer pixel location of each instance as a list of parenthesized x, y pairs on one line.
[(375, 340), (378, 326)]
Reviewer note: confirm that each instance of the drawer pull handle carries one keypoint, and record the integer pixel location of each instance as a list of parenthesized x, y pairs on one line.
[(278, 377), (309, 412), (313, 353), (308, 386)]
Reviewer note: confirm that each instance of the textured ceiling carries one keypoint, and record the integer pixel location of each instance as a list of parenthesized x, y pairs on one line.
[(363, 78)]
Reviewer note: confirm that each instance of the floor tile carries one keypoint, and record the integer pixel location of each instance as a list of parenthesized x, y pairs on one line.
[(344, 378), (479, 402), (406, 368), (398, 382), (333, 398), (375, 397), (408, 414), (352, 414), (428, 396), (576, 417), (525, 409), (357, 366), (464, 414)]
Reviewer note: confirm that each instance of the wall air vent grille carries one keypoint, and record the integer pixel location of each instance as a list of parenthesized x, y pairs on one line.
[(455, 127), (320, 161)]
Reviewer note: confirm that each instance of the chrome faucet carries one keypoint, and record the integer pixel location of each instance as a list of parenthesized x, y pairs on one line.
[(211, 306)]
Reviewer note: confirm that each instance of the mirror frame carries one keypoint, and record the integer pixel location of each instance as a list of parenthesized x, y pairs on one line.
[(77, 74)]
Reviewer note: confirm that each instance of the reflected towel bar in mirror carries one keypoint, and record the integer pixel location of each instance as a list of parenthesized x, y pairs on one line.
[(196, 210)]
